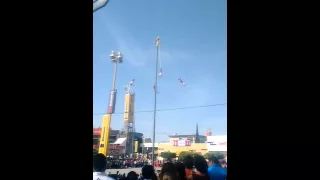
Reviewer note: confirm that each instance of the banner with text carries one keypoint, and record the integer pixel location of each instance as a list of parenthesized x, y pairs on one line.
[(112, 101), (216, 143)]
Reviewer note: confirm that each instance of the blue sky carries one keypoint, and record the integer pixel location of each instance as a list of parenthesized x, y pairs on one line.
[(193, 46)]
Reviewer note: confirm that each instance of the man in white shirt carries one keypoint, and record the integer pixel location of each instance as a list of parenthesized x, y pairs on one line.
[(99, 166)]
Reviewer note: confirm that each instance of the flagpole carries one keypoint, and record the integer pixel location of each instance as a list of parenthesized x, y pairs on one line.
[(155, 102)]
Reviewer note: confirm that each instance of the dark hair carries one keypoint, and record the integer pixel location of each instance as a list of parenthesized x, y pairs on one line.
[(99, 162), (200, 164), (188, 162), (154, 176), (180, 168), (214, 159), (132, 175), (147, 171), (169, 168)]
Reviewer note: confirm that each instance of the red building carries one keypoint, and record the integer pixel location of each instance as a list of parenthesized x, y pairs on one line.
[(114, 135)]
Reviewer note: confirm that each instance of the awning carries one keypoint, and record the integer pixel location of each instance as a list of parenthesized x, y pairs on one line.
[(120, 141)]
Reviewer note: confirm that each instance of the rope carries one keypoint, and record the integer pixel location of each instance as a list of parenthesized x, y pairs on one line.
[(159, 57)]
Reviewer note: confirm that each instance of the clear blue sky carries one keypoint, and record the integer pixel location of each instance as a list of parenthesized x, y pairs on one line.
[(194, 47)]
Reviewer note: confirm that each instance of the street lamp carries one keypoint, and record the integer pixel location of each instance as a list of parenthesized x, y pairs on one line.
[(98, 4), (115, 58), (106, 121)]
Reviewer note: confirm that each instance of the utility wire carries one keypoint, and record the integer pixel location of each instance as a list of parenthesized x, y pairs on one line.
[(172, 109)]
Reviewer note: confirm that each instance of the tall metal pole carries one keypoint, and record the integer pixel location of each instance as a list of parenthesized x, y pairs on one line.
[(142, 147), (113, 88), (114, 75), (132, 135), (155, 101), (114, 79)]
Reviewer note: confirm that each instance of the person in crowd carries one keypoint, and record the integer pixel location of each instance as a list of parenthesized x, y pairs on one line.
[(148, 173), (132, 176), (215, 171), (188, 163), (180, 168), (223, 164), (169, 168), (100, 166), (121, 177), (201, 169)]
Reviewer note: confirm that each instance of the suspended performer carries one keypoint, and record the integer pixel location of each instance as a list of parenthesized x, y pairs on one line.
[(181, 81), (132, 82), (160, 73)]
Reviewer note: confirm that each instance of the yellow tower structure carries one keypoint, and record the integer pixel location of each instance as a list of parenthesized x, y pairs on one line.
[(105, 130), (129, 121)]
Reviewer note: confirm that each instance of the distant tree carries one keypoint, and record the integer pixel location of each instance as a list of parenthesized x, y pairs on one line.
[(215, 154), (183, 154), (168, 155), (122, 132), (208, 154), (95, 151), (219, 155)]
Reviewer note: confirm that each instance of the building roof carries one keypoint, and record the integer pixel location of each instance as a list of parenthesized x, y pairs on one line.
[(138, 135), (97, 132), (179, 136)]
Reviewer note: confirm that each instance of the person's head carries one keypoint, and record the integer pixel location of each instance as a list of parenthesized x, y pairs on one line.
[(223, 163), (167, 167), (200, 164), (188, 162), (117, 172), (147, 171), (180, 168), (213, 160), (132, 175), (99, 162), (168, 176)]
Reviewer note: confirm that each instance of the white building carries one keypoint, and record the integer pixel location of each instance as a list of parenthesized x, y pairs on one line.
[(217, 143)]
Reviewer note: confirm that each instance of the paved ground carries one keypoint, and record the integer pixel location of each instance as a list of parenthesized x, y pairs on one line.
[(121, 171)]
